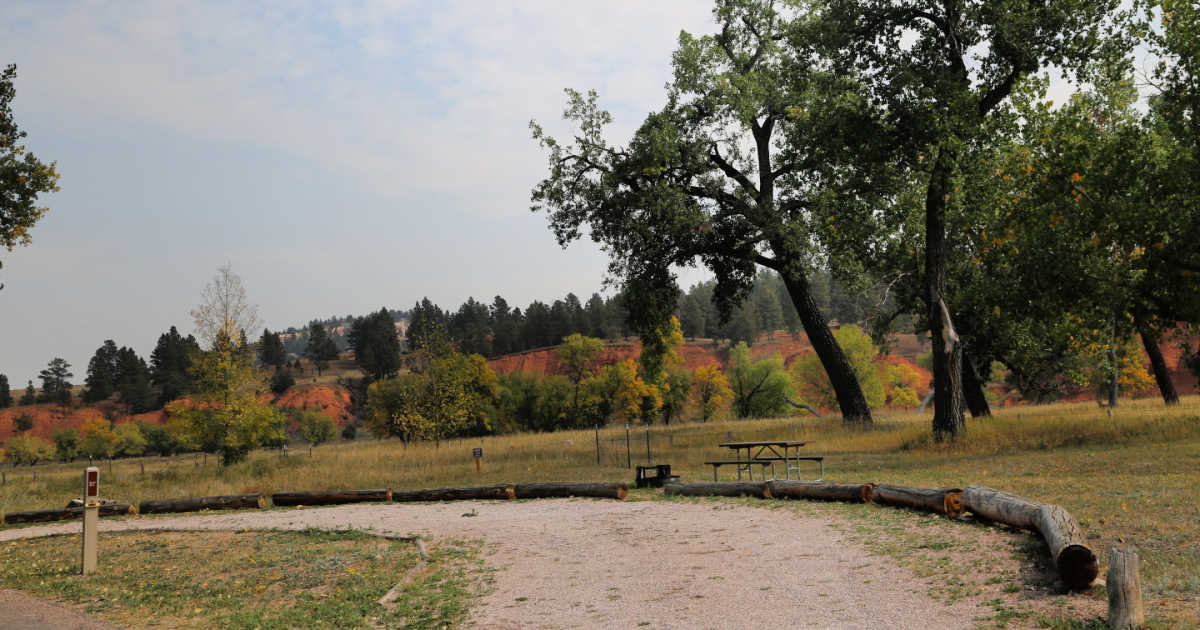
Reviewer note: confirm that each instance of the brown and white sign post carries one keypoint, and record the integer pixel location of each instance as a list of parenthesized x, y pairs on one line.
[(91, 517)]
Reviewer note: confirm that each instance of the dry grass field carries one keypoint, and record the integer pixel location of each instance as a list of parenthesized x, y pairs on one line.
[(1128, 479)]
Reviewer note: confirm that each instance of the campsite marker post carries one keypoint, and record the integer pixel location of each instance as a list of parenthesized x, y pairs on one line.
[(91, 517)]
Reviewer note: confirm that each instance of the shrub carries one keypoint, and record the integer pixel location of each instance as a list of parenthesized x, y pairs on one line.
[(130, 441), (158, 439), (66, 444), (316, 427), (28, 449), (22, 423), (97, 439), (349, 432), (282, 381)]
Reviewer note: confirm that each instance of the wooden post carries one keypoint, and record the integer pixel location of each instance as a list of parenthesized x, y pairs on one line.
[(1124, 591), (91, 515), (597, 443)]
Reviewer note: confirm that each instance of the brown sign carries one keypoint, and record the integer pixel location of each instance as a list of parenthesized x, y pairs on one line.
[(93, 483), (477, 452)]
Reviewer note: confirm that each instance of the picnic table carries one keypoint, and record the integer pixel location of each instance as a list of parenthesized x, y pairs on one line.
[(765, 453)]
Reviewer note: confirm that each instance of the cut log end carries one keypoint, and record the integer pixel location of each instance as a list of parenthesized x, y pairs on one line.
[(868, 492), (953, 503), (1078, 567)]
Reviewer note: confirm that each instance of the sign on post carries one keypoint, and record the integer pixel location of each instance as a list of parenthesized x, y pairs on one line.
[(478, 454), (91, 517)]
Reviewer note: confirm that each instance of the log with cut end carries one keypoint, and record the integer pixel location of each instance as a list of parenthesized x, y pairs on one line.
[(1124, 587), (330, 497), (44, 516), (503, 491), (719, 489), (195, 504), (554, 490), (1075, 561), (853, 492), (948, 501)]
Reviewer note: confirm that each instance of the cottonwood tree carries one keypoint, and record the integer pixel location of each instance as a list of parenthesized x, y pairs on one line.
[(23, 177), (730, 174), (577, 360), (224, 308), (938, 71)]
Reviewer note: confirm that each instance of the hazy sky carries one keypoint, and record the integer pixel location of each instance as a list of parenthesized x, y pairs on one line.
[(341, 156)]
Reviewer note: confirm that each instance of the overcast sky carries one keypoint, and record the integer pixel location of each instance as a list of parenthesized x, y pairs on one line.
[(341, 156)]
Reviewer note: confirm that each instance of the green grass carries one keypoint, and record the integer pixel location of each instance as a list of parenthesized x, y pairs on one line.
[(1129, 479), (247, 580)]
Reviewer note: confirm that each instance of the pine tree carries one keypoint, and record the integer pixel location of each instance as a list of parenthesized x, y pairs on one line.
[(376, 346), (270, 349), (321, 348), (133, 381), (55, 384), (102, 373), (6, 399), (28, 398), (171, 363)]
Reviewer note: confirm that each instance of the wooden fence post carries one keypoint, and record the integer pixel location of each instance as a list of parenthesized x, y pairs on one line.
[(1124, 591)]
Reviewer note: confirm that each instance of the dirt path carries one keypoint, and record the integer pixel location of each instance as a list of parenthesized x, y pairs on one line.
[(577, 563)]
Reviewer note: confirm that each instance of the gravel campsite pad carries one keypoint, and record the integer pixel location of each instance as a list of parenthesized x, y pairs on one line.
[(577, 563)]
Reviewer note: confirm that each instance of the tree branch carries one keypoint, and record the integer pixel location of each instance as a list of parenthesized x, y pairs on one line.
[(733, 173)]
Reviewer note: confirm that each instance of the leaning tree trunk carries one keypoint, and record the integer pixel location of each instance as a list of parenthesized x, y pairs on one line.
[(948, 419), (851, 400), (974, 389), (1161, 375)]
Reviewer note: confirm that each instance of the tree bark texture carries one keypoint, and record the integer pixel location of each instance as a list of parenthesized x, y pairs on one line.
[(853, 492), (948, 419), (946, 501), (330, 497), (851, 401), (44, 516), (1162, 376), (570, 489), (719, 489), (502, 491), (1124, 587), (1113, 373), (1075, 561), (195, 504), (974, 389)]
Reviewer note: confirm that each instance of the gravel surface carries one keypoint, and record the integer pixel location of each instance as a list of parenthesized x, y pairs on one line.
[(578, 563)]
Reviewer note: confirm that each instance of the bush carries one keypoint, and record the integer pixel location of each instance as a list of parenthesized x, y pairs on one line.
[(282, 381), (28, 449), (349, 432), (316, 427), (130, 441), (158, 439), (760, 388), (66, 444), (23, 422), (813, 380)]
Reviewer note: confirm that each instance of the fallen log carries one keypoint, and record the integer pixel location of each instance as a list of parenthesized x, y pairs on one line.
[(44, 516), (330, 497), (195, 504), (1075, 561), (503, 491), (719, 489), (948, 501), (853, 492), (1125, 610), (554, 490), (1002, 507)]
